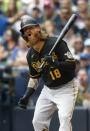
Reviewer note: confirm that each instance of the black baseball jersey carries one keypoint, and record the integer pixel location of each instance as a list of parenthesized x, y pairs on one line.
[(52, 75)]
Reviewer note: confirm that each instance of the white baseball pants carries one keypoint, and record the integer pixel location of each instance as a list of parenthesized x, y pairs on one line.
[(63, 98)]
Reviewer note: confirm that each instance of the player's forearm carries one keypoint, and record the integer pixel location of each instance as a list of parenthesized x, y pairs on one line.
[(16, 17), (33, 83), (32, 86)]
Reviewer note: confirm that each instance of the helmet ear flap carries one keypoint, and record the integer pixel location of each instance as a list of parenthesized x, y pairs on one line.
[(24, 37)]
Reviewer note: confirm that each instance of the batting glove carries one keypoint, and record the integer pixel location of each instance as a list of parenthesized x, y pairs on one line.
[(51, 60), (23, 102)]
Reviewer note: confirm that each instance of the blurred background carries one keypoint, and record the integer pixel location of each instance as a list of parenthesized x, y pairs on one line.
[(14, 73)]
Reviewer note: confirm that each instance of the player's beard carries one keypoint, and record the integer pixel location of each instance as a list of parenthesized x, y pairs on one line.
[(33, 39)]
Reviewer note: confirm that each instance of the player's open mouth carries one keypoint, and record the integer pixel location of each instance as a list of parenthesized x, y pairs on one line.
[(29, 34)]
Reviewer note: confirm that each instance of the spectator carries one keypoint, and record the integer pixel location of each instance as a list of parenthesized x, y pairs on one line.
[(56, 4), (77, 59), (36, 12), (64, 16), (49, 14), (84, 63), (80, 22), (84, 60), (35, 3), (11, 37), (50, 28), (77, 46), (69, 37), (85, 30), (84, 88), (83, 8), (83, 11), (4, 21), (87, 46), (66, 4), (18, 57), (6, 3), (12, 9)]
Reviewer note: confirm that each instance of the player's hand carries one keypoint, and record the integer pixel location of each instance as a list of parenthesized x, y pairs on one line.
[(25, 99), (23, 103), (51, 60), (48, 58)]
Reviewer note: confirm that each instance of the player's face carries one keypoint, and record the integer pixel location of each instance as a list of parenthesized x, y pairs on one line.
[(33, 34)]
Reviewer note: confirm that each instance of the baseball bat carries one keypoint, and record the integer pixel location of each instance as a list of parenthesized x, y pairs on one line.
[(62, 34)]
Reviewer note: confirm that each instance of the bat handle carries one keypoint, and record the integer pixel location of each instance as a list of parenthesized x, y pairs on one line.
[(41, 66)]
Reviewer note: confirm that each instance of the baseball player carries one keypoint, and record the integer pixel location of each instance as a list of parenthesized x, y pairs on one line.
[(58, 72)]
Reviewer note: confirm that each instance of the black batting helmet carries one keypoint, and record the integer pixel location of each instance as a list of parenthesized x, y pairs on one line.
[(25, 22)]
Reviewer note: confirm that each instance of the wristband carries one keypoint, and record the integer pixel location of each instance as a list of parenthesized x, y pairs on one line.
[(29, 92)]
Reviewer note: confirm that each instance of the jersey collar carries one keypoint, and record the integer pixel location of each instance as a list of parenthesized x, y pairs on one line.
[(42, 45)]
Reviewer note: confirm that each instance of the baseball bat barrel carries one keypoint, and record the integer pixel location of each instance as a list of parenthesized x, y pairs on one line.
[(62, 34), (64, 30)]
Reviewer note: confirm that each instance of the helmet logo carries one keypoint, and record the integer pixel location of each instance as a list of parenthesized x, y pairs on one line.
[(24, 21)]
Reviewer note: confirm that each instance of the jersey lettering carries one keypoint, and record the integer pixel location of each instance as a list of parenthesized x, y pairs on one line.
[(37, 64), (55, 74)]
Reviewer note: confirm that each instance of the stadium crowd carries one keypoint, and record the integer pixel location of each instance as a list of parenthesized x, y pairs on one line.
[(52, 15)]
